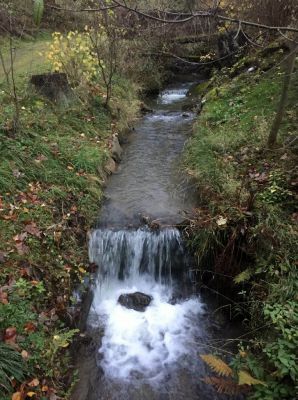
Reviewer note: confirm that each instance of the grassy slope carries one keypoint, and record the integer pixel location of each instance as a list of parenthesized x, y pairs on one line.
[(28, 55), (246, 222), (51, 178)]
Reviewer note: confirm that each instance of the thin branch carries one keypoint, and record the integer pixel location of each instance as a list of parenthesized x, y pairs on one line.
[(238, 31), (194, 62), (251, 41), (186, 17), (98, 9), (287, 37)]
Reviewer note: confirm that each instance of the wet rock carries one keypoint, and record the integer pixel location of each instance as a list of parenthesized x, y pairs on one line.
[(116, 150), (145, 109), (110, 166), (137, 301)]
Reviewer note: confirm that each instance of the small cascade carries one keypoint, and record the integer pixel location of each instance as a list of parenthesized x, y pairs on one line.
[(142, 345), (127, 254)]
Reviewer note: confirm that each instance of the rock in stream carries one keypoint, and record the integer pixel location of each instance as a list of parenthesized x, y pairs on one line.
[(137, 301)]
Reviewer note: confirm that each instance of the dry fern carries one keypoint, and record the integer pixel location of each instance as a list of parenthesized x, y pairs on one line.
[(243, 276), (217, 365), (222, 385), (246, 379)]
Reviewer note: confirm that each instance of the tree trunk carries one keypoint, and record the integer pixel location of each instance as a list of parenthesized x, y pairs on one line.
[(283, 100)]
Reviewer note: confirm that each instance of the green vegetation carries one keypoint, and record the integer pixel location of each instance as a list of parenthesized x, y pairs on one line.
[(245, 227), (52, 170)]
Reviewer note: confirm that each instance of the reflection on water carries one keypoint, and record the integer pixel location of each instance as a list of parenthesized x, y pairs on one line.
[(148, 181)]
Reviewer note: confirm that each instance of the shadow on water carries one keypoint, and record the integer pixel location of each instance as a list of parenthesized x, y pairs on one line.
[(154, 354)]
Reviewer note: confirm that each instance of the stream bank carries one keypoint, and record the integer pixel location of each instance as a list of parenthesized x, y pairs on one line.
[(244, 233), (52, 176)]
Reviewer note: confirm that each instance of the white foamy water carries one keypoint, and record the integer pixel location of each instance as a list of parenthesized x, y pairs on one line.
[(172, 95), (144, 344), (141, 345)]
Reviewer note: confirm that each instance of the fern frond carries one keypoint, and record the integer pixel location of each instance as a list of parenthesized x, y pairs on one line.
[(217, 365), (243, 276), (222, 385), (246, 379), (11, 366)]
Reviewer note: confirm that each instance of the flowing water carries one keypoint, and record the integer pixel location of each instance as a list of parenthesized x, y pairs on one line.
[(152, 354)]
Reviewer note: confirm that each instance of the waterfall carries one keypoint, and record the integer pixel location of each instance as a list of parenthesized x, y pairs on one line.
[(141, 344), (127, 254)]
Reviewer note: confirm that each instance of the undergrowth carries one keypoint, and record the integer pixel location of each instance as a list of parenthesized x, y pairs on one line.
[(52, 172), (244, 232)]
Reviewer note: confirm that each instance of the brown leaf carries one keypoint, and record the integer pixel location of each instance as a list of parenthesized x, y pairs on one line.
[(33, 230), (30, 327), (3, 297), (34, 382), (22, 248), (20, 237), (2, 256), (10, 335)]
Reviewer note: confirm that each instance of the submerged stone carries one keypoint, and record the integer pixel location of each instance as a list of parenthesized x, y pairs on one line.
[(136, 301)]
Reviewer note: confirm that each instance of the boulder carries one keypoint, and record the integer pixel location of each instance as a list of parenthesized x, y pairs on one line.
[(136, 301), (116, 150)]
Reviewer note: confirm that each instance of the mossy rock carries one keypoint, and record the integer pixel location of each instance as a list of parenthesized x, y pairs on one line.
[(199, 90)]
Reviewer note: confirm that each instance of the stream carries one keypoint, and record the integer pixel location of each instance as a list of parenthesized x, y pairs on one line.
[(151, 354)]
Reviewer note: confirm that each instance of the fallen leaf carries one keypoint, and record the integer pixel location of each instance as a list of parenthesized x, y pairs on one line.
[(31, 394), (33, 230), (34, 382), (3, 297), (284, 157), (57, 236), (22, 248), (20, 237), (221, 221), (24, 354), (30, 327), (44, 388), (10, 335), (2, 256), (16, 396)]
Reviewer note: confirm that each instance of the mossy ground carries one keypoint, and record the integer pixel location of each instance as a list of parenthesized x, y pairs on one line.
[(51, 182), (245, 228)]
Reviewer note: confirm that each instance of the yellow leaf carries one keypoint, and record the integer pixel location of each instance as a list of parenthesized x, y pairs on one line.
[(246, 379), (217, 365), (17, 396), (31, 394), (82, 270)]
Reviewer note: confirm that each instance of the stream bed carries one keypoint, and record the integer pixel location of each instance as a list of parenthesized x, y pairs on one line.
[(151, 354)]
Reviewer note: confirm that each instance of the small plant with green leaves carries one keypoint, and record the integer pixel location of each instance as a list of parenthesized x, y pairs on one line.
[(276, 191)]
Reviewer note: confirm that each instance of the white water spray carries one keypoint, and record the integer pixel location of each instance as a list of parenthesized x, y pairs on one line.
[(142, 344)]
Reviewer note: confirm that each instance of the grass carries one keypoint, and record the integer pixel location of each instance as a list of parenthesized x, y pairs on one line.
[(28, 56), (51, 183), (244, 227)]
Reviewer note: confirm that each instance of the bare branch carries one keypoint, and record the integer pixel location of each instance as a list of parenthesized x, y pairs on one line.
[(186, 16)]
